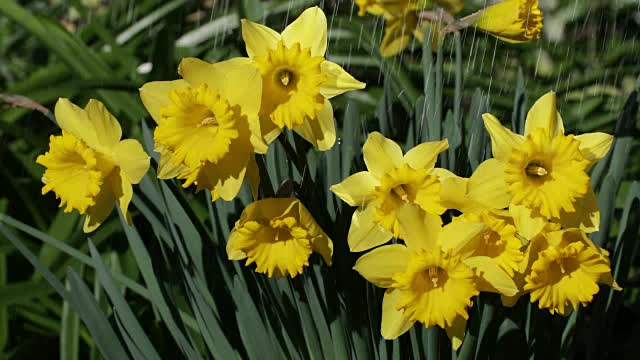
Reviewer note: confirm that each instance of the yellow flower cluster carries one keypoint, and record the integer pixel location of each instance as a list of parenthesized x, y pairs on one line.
[(525, 213), (523, 228), (513, 21), (211, 123)]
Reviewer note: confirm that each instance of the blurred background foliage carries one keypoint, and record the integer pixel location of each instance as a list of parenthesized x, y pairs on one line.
[(107, 49)]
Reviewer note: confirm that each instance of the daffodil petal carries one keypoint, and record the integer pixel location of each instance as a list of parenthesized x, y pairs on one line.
[(232, 252), (364, 232), (309, 30), (594, 146), (421, 230), (587, 214), (394, 323), (491, 273), (397, 36), (543, 114), (379, 264), (167, 168), (337, 81), (236, 80), (75, 120), (321, 131), (258, 39), (457, 234), (456, 331), (132, 159), (526, 223), (106, 199), (125, 197), (487, 185), (381, 155), (425, 155), (230, 186), (357, 189), (155, 95), (107, 128), (502, 139)]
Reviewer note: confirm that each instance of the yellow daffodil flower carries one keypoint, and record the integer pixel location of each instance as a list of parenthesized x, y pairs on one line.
[(89, 167), (208, 127), (297, 81), (432, 278), (392, 180), (403, 19), (566, 268), (278, 235), (545, 171), (514, 21)]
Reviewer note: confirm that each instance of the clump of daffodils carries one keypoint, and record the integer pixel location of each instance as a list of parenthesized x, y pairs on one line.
[(526, 214)]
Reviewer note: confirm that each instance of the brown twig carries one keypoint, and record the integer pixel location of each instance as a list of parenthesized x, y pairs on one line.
[(19, 101)]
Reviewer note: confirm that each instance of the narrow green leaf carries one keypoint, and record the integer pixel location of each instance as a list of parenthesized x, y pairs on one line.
[(157, 295), (69, 332), (121, 308), (80, 298)]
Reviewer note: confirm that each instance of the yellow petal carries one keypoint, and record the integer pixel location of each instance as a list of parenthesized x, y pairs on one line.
[(526, 223), (487, 186), (107, 128), (456, 331), (337, 81), (364, 232), (231, 185), (381, 155), (543, 114), (397, 35), (232, 252), (456, 235), (594, 146), (502, 139), (309, 30), (75, 120), (321, 131), (132, 159), (453, 192), (394, 323), (155, 95), (239, 82), (106, 199), (494, 279), (258, 38), (425, 155), (421, 230), (323, 246), (167, 167), (587, 214), (357, 189), (125, 197), (379, 265)]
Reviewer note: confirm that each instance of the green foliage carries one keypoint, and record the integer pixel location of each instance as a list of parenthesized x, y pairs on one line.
[(163, 287)]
